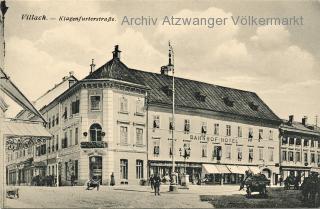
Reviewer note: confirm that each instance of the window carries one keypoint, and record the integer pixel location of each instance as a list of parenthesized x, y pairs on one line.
[(284, 155), (156, 121), (156, 147), (95, 102), (71, 137), (312, 143), (64, 141), (57, 119), (239, 131), (186, 126), (271, 135), (270, 154), (290, 156), (139, 136), (95, 132), (250, 134), (203, 127), (65, 114), (75, 106), (228, 130), (49, 147), (139, 169), (76, 136), (217, 152), (250, 155), (305, 158), (171, 125), (53, 144), (298, 141), (284, 140), (298, 157), (204, 150), (53, 121), (49, 123), (291, 141), (313, 159), (260, 153), (260, 134), (216, 129), (306, 142), (123, 104), (228, 152), (124, 169), (123, 135), (239, 150), (139, 106), (76, 169), (57, 142)]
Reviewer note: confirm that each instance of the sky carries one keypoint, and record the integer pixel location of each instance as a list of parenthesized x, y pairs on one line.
[(280, 63)]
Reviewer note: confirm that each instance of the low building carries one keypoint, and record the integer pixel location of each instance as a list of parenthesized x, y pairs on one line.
[(117, 124), (299, 148)]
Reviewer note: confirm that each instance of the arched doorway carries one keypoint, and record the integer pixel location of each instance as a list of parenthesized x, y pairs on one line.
[(95, 165), (266, 172)]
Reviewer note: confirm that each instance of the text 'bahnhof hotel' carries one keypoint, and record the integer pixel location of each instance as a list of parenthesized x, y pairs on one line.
[(117, 123)]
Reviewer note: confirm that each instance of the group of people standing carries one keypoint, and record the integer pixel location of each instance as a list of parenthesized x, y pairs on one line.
[(155, 182)]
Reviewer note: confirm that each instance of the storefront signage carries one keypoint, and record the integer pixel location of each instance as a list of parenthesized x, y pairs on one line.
[(88, 145), (214, 139), (16, 143)]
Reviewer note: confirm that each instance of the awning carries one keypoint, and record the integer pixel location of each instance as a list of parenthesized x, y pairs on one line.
[(254, 169), (234, 169), (223, 169), (25, 129), (210, 168), (243, 169), (315, 170)]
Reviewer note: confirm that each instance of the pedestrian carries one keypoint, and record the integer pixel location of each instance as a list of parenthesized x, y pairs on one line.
[(151, 180), (157, 182)]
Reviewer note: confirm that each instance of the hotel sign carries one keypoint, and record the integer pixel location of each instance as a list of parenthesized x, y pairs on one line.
[(214, 139), (89, 145)]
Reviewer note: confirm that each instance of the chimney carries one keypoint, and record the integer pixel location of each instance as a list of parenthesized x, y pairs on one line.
[(304, 120), (290, 119), (92, 66), (116, 52)]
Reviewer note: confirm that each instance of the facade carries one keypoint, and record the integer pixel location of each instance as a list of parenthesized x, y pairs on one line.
[(299, 148), (117, 124)]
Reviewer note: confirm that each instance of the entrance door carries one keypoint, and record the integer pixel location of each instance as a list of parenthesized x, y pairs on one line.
[(96, 168)]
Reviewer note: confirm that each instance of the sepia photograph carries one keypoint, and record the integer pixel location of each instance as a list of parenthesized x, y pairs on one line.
[(159, 104)]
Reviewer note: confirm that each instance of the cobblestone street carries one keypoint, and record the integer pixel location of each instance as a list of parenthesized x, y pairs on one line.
[(119, 196)]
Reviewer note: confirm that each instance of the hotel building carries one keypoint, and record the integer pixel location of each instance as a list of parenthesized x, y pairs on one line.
[(118, 122)]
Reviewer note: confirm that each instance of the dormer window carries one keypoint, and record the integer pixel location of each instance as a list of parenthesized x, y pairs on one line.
[(253, 106), (167, 90), (200, 96), (228, 101)]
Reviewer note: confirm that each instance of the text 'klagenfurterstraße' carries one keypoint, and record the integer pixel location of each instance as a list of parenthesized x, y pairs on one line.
[(211, 22)]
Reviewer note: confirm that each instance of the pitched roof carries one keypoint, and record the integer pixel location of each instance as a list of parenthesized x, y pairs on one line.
[(299, 127), (216, 98)]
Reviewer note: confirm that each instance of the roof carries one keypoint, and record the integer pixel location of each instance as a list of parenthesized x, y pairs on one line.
[(299, 127), (24, 128), (242, 102)]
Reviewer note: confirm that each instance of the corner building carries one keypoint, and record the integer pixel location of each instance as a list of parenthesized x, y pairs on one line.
[(117, 121)]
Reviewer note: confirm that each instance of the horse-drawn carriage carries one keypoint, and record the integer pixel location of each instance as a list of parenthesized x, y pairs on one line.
[(292, 182), (310, 189), (256, 183)]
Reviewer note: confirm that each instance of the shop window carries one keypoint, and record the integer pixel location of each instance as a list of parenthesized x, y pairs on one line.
[(216, 129), (204, 128), (239, 150), (217, 152), (228, 152), (291, 141), (139, 136), (123, 135), (95, 132), (312, 158), (270, 154), (186, 126), (250, 134), (250, 155), (123, 168), (284, 155), (260, 134), (298, 157), (95, 102), (239, 131), (139, 169), (123, 104), (156, 121), (290, 156), (228, 130), (171, 125), (204, 150), (260, 153)]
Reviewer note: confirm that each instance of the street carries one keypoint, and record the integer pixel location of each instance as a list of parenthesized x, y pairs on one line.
[(117, 197)]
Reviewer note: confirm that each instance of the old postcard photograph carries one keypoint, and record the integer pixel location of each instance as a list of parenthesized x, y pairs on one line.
[(159, 104)]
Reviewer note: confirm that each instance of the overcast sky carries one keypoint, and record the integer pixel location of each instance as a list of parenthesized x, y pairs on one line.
[(280, 64)]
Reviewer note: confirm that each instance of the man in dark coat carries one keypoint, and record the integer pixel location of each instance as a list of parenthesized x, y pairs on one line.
[(157, 182), (151, 181)]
